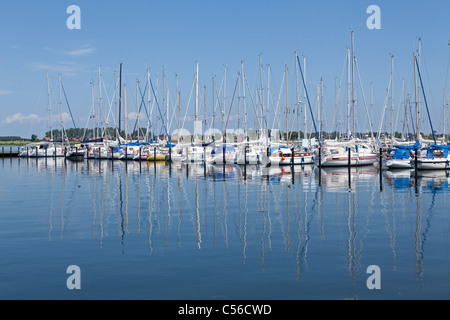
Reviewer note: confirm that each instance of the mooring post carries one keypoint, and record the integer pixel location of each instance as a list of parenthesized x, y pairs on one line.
[(349, 167), (245, 155), (223, 154), (381, 169), (293, 157), (3, 152)]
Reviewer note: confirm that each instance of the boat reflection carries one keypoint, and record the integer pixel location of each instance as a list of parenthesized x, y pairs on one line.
[(259, 213)]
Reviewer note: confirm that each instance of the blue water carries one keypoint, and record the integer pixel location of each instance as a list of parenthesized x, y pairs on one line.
[(160, 232)]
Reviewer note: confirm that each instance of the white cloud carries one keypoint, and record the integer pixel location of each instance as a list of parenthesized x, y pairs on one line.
[(34, 118), (136, 116), (20, 118), (67, 68), (5, 92), (81, 52)]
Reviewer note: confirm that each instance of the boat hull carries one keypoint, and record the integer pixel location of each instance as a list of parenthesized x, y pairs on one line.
[(355, 161), (398, 164)]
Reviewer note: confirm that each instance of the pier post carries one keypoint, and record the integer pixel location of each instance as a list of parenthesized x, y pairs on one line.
[(245, 155), (292, 157), (349, 168), (204, 156), (223, 154), (3, 153), (170, 154), (154, 154), (381, 169)]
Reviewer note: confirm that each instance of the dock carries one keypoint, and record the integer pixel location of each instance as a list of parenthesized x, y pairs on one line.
[(5, 153)]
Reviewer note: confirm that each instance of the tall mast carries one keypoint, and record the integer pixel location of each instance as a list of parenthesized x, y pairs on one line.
[(120, 98), (392, 102), (179, 99), (304, 98), (287, 105), (224, 98), (126, 117), (214, 104), (348, 93), (93, 108), (321, 108), (297, 97), (445, 117), (417, 101), (49, 107), (353, 88), (243, 97), (196, 105), (138, 111), (261, 93)]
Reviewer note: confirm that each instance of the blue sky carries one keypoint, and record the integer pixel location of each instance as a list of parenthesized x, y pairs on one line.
[(175, 35)]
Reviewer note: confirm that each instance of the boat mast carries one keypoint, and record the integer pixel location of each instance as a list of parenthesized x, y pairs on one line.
[(297, 97), (126, 117), (120, 99), (245, 107), (392, 102), (348, 93), (417, 101), (287, 105), (49, 108), (196, 105), (353, 86), (304, 98)]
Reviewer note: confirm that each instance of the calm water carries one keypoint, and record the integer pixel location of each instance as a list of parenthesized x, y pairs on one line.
[(145, 231)]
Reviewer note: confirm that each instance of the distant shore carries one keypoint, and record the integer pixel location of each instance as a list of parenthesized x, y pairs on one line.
[(14, 143)]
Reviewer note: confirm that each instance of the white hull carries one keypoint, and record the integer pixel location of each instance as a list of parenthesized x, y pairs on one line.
[(298, 161), (430, 164), (398, 164), (354, 161)]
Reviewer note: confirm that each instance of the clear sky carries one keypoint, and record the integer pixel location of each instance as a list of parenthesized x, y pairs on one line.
[(175, 35)]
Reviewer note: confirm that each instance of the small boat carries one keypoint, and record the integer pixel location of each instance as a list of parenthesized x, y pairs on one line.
[(400, 157), (436, 157), (338, 156), (283, 157), (76, 154)]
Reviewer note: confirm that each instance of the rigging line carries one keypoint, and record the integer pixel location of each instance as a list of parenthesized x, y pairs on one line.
[(384, 108), (70, 110), (364, 99), (448, 65), (253, 103), (276, 115), (140, 106), (189, 103), (425, 98), (162, 119), (232, 100), (145, 107), (309, 103)]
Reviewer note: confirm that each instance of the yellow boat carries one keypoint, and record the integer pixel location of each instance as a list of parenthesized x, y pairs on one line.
[(158, 157)]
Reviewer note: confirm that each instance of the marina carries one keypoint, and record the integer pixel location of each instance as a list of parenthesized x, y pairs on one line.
[(227, 151)]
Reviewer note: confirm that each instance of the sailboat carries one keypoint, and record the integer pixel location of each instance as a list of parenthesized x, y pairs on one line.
[(435, 157), (400, 156), (354, 152)]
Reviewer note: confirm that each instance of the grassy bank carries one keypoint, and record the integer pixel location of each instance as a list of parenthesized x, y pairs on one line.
[(14, 143)]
